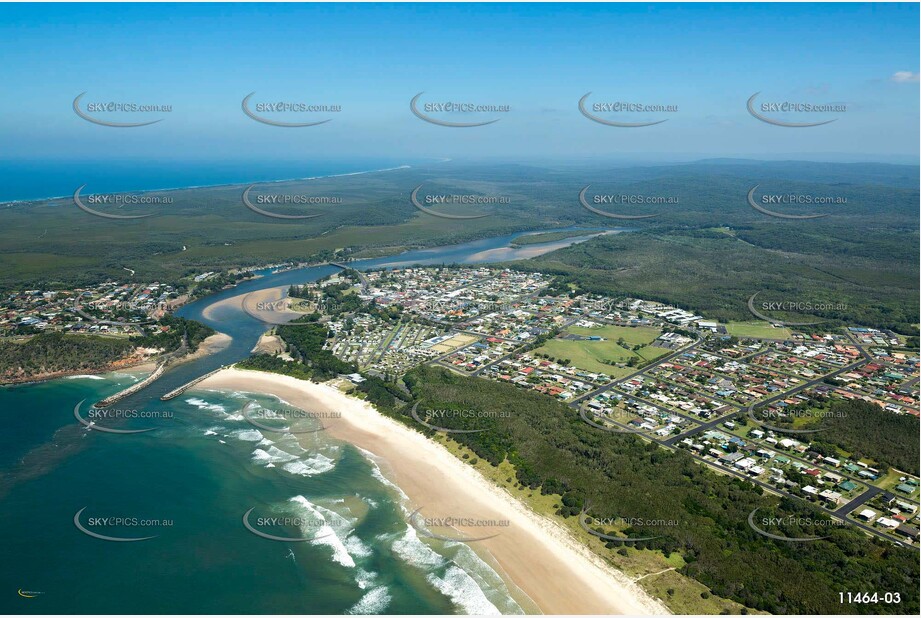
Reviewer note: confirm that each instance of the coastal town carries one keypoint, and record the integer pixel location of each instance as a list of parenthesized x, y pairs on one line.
[(735, 399), (109, 326), (740, 398), (110, 308), (460, 309)]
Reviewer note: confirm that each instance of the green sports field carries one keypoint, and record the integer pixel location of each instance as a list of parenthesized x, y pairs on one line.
[(592, 355)]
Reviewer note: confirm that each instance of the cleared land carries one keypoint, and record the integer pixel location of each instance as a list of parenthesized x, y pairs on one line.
[(457, 341), (757, 329), (596, 356)]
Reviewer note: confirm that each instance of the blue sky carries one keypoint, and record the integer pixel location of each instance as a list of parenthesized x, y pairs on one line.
[(539, 59)]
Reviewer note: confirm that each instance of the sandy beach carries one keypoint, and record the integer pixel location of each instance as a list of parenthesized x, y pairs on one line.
[(534, 554), (270, 344), (211, 344), (270, 305)]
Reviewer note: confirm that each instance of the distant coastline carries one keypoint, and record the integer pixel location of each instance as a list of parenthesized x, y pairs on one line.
[(218, 185)]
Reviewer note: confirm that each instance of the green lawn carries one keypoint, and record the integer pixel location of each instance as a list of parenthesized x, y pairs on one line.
[(591, 355), (757, 329), (889, 480)]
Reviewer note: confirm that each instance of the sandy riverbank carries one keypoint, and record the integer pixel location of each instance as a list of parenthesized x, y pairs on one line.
[(212, 311), (270, 305), (211, 344), (534, 554), (270, 344)]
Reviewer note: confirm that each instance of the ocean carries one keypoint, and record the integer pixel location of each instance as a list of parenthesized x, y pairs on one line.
[(346, 547), (188, 485), (34, 180)]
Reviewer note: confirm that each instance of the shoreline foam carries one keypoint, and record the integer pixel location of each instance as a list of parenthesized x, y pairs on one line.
[(536, 555)]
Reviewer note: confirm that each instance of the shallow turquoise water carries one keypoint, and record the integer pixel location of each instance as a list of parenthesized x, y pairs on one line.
[(188, 484)]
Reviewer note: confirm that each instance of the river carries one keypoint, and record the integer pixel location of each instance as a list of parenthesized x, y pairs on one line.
[(187, 483)]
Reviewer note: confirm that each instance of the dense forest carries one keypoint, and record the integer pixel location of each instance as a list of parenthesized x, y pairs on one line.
[(622, 476), (59, 352), (304, 339), (55, 352), (382, 393), (274, 364), (714, 273), (869, 245), (864, 429)]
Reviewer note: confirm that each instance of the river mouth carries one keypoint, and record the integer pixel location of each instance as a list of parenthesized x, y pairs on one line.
[(198, 467), (226, 311)]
